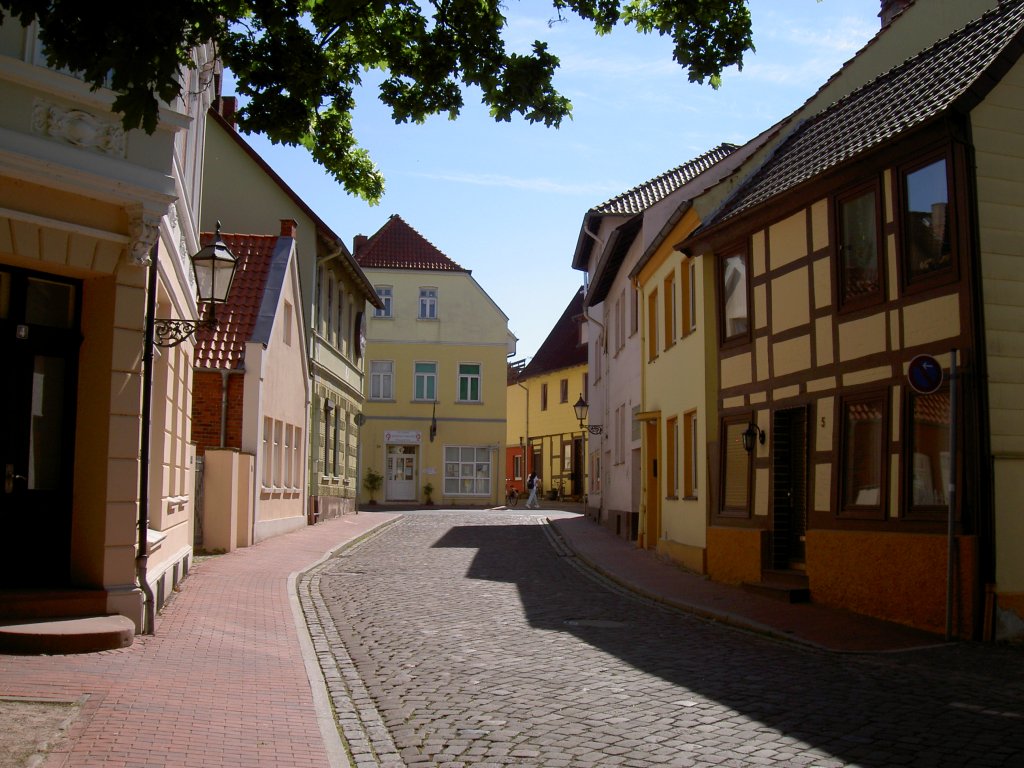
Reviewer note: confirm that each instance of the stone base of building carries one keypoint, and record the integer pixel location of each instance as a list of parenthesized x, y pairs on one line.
[(329, 507)]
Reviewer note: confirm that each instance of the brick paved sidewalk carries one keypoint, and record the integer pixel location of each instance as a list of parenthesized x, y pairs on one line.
[(226, 679)]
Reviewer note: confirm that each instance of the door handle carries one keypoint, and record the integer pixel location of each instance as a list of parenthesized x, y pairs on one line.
[(10, 477)]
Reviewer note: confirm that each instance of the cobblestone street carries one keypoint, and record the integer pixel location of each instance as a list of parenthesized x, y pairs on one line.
[(474, 639)]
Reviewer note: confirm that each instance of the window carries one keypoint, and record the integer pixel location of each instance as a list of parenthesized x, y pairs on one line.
[(467, 470), (586, 387), (286, 456), (327, 436), (928, 452), (620, 321), (670, 310), (860, 275), (336, 443), (384, 292), (736, 468), (620, 434), (863, 455), (286, 330), (690, 318), (382, 380), (329, 317), (652, 326), (927, 236), (634, 311), (469, 382), (672, 458), (517, 467), (690, 455), (319, 296), (563, 391), (340, 323), (735, 289), (544, 396), (278, 438), (268, 451), (425, 386), (297, 459), (428, 304)]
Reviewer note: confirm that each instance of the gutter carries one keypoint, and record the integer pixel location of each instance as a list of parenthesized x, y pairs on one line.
[(142, 554)]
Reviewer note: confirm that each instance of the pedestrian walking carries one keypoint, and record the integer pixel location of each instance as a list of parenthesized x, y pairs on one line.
[(533, 486)]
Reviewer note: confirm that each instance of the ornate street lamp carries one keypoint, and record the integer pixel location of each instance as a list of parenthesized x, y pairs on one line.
[(750, 435), (581, 409), (214, 267)]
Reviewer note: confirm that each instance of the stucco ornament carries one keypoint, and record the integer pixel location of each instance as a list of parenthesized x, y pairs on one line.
[(145, 229), (79, 128)]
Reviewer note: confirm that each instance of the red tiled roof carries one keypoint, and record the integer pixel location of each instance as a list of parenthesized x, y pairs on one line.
[(224, 347), (562, 347), (396, 245)]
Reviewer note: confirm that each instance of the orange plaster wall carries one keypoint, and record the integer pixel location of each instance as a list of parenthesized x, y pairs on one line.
[(899, 578), (734, 554)]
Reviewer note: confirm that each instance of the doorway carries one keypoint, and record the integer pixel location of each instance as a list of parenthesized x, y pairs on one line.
[(401, 473), (39, 342), (789, 481)]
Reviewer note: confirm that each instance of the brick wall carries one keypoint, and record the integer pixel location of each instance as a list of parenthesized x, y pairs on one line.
[(206, 410)]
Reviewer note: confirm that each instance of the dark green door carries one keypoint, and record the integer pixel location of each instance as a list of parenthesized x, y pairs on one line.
[(39, 342)]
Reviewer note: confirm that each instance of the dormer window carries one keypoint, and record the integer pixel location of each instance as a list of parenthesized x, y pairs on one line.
[(428, 304)]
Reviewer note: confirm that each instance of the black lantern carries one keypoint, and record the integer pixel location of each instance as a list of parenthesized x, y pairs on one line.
[(750, 435), (214, 268), (581, 409)]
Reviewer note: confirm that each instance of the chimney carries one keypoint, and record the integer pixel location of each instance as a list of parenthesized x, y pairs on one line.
[(228, 105), (288, 227), (357, 244), (891, 9)]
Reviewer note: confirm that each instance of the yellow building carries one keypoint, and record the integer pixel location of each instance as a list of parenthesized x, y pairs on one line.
[(436, 355), (544, 433), (868, 364)]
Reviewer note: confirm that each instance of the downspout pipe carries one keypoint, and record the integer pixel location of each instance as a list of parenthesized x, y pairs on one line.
[(142, 556), (526, 437)]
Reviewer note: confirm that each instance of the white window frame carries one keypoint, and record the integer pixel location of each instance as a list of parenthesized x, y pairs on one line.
[(428, 303), (382, 380), (471, 379), (386, 295), (429, 379), (462, 470)]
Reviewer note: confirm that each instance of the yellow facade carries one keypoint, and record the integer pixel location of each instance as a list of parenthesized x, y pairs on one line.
[(544, 432), (463, 350), (679, 399)]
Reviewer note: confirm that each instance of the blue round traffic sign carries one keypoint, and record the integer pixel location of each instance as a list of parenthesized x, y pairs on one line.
[(924, 374)]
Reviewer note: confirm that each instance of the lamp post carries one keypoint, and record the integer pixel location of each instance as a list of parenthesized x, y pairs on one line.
[(581, 408), (214, 267), (750, 435)]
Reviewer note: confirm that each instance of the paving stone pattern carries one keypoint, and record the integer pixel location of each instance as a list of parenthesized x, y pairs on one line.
[(468, 639)]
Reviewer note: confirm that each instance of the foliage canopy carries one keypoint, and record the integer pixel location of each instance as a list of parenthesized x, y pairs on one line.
[(298, 63)]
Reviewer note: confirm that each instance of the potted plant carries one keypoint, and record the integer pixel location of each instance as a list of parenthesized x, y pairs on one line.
[(372, 483), (428, 490)]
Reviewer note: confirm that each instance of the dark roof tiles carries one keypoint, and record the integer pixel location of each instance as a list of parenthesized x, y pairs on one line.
[(562, 347), (643, 196), (952, 72)]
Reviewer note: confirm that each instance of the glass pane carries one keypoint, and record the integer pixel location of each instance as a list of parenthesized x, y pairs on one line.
[(862, 454), (859, 246), (47, 425), (734, 278), (5, 295), (927, 220), (737, 469), (930, 467), (49, 303)]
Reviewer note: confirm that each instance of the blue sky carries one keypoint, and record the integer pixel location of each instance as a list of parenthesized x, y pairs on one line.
[(506, 200)]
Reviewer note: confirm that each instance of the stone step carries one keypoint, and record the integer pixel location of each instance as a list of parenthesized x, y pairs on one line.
[(787, 586), (67, 635)]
